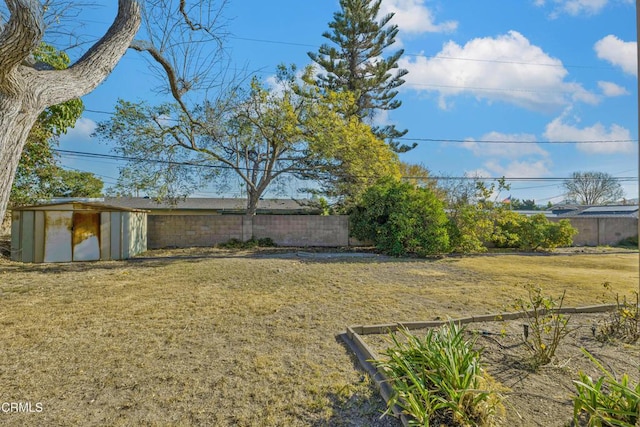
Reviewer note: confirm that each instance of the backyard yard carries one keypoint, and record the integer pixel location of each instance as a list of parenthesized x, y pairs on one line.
[(245, 338)]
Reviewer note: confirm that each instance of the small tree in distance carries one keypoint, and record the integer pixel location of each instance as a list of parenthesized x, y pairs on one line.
[(593, 188)]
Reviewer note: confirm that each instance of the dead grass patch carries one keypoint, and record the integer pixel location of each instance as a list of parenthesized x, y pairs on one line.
[(243, 338)]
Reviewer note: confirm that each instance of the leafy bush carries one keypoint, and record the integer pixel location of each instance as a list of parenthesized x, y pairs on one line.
[(629, 242), (401, 219), (545, 326), (469, 228), (438, 378), (606, 401), (513, 230), (264, 242)]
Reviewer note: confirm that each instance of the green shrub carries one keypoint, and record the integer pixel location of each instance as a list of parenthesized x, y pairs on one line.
[(629, 242), (438, 378), (513, 230), (606, 401), (249, 244), (469, 227), (401, 219)]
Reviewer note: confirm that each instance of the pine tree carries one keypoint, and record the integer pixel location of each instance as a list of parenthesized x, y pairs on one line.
[(357, 63)]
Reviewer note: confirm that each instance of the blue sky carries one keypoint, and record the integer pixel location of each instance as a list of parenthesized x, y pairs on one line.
[(540, 73)]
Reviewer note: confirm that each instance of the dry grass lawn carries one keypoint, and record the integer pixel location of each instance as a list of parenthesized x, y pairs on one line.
[(212, 337)]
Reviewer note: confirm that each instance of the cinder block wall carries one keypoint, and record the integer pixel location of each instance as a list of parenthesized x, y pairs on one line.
[(603, 231), (183, 231), (315, 230), (209, 230), (303, 230)]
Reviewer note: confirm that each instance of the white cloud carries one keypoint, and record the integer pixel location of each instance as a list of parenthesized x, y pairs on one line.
[(82, 131), (521, 169), (518, 147), (574, 7), (619, 53), (412, 16), (506, 68), (611, 89), (617, 137)]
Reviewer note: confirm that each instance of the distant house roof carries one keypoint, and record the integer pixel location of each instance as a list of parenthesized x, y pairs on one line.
[(548, 214), (609, 211), (219, 205), (580, 211), (577, 211)]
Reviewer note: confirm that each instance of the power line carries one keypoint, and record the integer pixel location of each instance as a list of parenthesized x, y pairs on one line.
[(432, 57), (479, 141), (210, 166), (490, 141)]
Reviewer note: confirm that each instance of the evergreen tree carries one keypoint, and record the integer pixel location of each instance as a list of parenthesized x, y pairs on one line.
[(357, 63)]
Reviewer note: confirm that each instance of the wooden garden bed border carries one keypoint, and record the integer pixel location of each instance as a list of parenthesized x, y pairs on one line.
[(352, 337)]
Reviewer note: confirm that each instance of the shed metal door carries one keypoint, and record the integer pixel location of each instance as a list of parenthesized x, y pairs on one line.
[(86, 236), (57, 238)]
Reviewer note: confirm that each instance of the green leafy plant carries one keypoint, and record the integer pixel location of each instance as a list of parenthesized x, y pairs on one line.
[(438, 378), (513, 230), (545, 326), (265, 242), (401, 219), (606, 401), (624, 322)]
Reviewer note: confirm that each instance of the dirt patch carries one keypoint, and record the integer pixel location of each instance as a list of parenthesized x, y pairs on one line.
[(542, 397)]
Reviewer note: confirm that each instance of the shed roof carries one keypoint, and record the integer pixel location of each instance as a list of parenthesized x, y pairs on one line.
[(78, 206)]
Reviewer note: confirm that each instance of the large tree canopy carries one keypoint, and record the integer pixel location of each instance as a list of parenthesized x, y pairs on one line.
[(355, 62), (28, 87), (257, 135), (593, 188)]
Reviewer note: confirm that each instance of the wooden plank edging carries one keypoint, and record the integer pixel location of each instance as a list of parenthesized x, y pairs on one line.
[(365, 354)]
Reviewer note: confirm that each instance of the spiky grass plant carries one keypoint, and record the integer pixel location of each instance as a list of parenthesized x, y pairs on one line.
[(438, 378), (606, 401)]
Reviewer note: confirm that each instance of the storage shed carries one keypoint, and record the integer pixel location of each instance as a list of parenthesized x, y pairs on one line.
[(77, 231)]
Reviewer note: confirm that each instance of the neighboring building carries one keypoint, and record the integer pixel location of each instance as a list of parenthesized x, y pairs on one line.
[(215, 206), (77, 231)]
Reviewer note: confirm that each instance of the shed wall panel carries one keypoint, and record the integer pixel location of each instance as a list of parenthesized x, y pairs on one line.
[(38, 250), (126, 234), (27, 238), (57, 239), (16, 241), (116, 235), (86, 236), (105, 236)]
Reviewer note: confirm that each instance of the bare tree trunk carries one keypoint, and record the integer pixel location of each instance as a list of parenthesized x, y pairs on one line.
[(25, 91), (253, 197)]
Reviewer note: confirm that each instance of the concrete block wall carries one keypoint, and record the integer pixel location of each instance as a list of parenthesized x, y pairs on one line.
[(603, 231), (330, 231), (184, 231), (209, 230), (303, 230)]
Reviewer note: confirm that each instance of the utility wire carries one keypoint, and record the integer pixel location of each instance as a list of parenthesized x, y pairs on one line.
[(72, 153), (479, 141)]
